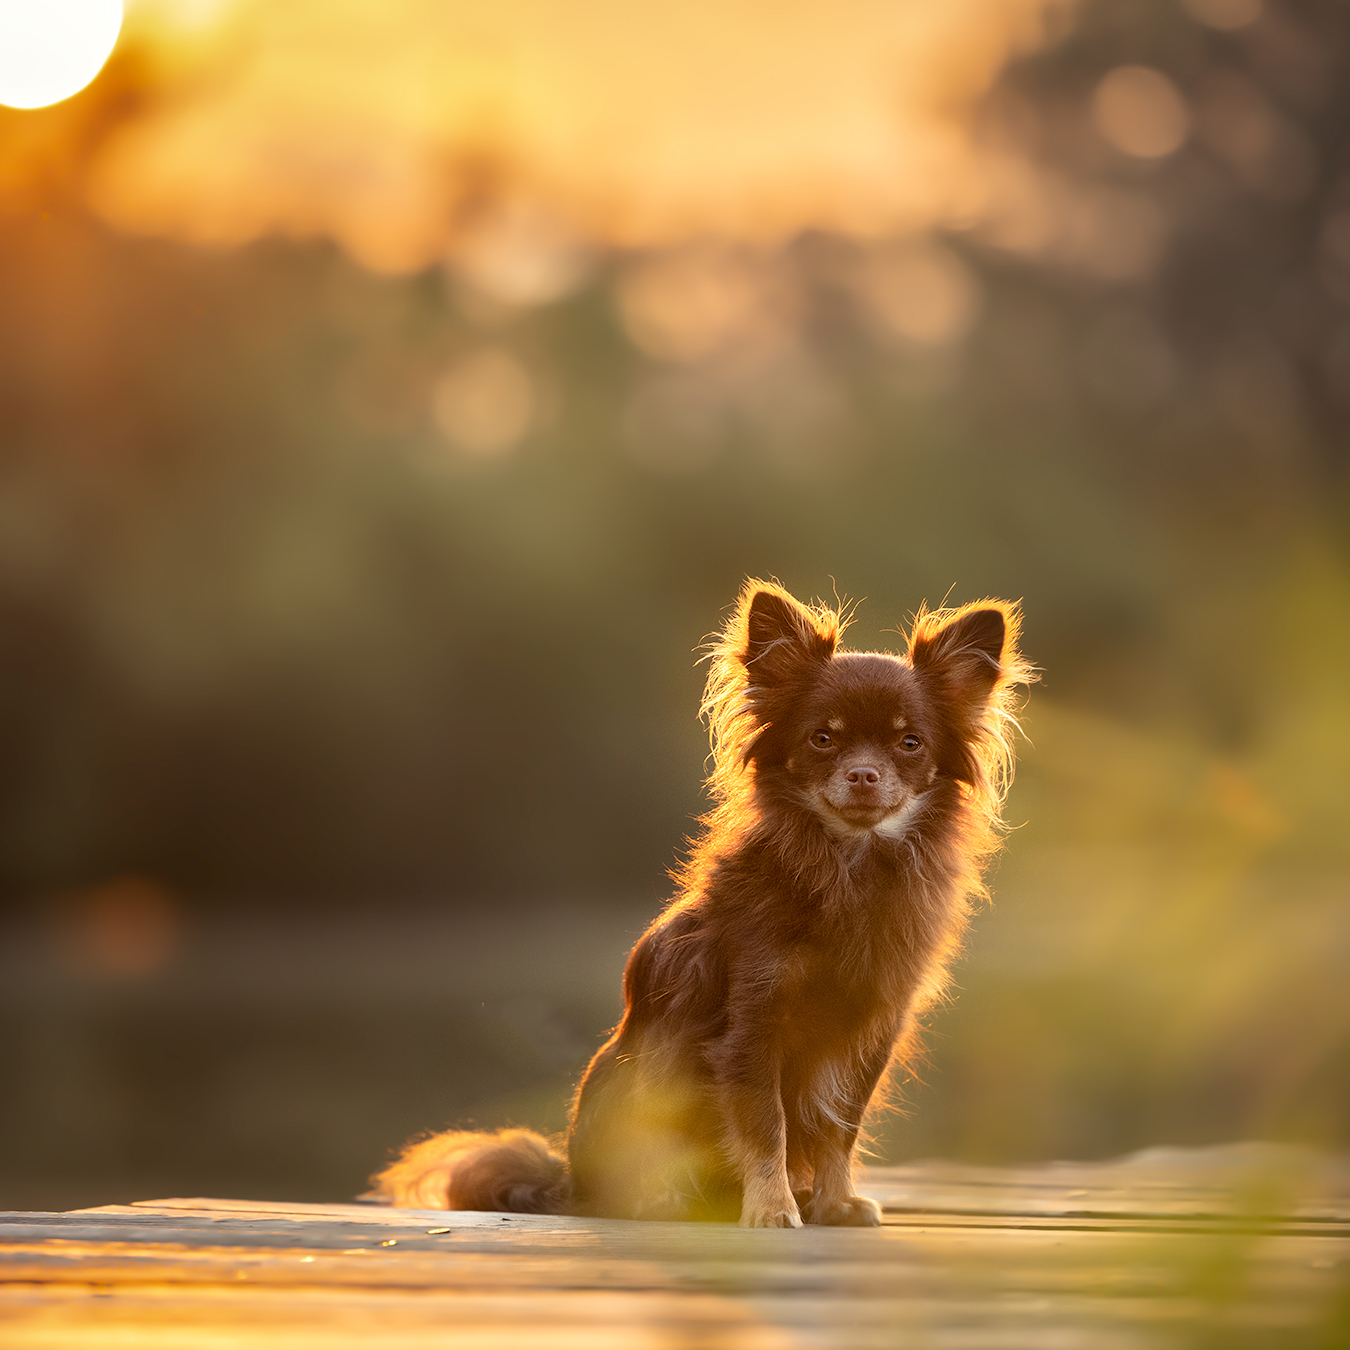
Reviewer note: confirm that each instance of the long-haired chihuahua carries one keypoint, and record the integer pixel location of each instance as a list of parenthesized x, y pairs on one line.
[(857, 800)]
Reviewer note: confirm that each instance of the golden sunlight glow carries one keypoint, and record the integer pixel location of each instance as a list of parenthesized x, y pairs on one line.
[(394, 126), (51, 50)]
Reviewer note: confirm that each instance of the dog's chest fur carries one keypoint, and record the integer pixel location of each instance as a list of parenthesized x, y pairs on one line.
[(854, 924)]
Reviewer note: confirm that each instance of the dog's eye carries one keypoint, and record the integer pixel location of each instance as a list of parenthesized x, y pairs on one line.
[(822, 740), (912, 743)]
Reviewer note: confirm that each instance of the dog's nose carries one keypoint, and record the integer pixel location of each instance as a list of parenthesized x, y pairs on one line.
[(866, 776)]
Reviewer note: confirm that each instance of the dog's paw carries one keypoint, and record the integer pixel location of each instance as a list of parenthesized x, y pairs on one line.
[(771, 1218), (850, 1211)]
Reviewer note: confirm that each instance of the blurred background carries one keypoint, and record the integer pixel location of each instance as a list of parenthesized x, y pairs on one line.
[(392, 398)]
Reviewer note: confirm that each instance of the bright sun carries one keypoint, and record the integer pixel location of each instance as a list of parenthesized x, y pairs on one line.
[(50, 49)]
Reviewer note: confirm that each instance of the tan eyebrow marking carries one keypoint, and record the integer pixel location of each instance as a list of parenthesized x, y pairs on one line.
[(900, 722), (835, 724)]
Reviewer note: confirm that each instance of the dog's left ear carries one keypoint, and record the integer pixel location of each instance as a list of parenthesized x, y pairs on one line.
[(962, 656)]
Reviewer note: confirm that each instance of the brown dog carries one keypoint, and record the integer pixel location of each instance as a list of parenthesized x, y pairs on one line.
[(858, 797)]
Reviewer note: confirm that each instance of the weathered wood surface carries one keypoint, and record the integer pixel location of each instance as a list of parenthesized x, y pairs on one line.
[(1236, 1248)]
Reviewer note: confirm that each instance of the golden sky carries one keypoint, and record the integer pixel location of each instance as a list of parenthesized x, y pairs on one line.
[(387, 123)]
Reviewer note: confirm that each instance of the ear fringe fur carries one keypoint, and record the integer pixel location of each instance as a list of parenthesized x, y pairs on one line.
[(998, 726), (732, 723), (993, 749)]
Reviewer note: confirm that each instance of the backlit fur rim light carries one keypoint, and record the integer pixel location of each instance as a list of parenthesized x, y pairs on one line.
[(733, 725)]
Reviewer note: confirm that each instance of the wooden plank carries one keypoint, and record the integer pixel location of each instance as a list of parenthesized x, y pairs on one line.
[(1243, 1180), (355, 1213), (1028, 1259), (153, 1222), (1112, 1299)]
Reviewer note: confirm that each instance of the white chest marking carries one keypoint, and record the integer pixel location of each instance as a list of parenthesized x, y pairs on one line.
[(896, 825)]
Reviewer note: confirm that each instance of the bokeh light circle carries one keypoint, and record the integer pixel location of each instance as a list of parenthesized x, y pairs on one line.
[(1141, 112), (50, 49)]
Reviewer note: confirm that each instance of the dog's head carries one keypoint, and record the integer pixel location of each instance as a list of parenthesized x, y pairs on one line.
[(861, 737)]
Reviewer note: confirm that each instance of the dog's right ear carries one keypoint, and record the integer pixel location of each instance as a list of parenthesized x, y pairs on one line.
[(782, 636), (769, 648)]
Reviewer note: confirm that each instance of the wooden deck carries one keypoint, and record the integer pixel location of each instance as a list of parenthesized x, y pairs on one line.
[(1221, 1249)]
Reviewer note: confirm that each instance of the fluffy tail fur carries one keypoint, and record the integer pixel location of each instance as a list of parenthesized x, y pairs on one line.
[(513, 1170)]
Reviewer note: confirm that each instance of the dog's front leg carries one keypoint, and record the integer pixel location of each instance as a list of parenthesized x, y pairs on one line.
[(842, 1093), (835, 1201), (747, 1078)]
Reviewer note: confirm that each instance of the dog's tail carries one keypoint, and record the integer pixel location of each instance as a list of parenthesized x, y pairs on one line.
[(513, 1170)]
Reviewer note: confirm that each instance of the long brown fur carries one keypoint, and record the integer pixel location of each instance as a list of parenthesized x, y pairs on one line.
[(857, 798)]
